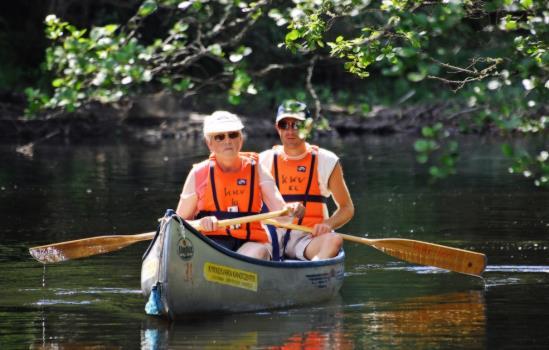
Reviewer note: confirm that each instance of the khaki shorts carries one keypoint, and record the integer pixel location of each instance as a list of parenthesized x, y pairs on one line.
[(295, 249)]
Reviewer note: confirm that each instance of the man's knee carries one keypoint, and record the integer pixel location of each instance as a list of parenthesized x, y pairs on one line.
[(255, 250), (335, 241)]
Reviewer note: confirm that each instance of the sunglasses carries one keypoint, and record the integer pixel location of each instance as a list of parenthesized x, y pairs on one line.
[(286, 125), (231, 135)]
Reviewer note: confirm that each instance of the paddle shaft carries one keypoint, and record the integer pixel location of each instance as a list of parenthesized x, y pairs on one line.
[(80, 248), (417, 252)]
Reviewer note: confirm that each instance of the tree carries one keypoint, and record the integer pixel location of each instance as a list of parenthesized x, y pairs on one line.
[(492, 53), (494, 50)]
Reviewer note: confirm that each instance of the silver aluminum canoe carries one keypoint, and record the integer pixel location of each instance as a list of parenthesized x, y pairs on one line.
[(193, 275)]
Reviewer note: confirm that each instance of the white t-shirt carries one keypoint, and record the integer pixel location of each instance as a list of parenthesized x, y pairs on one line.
[(326, 163)]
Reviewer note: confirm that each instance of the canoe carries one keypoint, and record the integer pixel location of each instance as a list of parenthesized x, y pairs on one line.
[(185, 273)]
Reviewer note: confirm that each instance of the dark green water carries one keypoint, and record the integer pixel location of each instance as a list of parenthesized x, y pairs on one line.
[(66, 192)]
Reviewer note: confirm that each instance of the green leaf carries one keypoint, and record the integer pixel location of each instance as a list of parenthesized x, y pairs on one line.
[(511, 25), (507, 150), (422, 158), (427, 132), (183, 85), (292, 36), (110, 28), (216, 50), (526, 3), (421, 145), (234, 100), (147, 8), (415, 76), (437, 172), (57, 82)]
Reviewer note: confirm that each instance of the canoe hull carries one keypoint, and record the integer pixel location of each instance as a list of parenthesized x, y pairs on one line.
[(194, 275)]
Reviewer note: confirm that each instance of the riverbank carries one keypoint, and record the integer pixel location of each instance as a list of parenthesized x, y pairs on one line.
[(161, 116)]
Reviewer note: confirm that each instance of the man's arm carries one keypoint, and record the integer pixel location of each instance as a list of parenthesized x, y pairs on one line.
[(188, 199), (342, 198)]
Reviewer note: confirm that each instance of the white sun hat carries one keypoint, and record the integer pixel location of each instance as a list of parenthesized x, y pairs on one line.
[(222, 121)]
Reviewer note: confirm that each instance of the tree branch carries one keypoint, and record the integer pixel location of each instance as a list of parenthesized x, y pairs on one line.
[(310, 88), (473, 74)]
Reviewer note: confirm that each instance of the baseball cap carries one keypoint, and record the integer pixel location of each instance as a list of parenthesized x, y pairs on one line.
[(222, 121), (292, 109)]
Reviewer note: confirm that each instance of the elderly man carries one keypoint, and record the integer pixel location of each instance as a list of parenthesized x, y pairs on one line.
[(308, 174), (231, 183)]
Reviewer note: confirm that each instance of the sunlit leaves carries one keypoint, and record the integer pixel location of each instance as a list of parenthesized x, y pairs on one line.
[(532, 167), (216, 50), (239, 54), (95, 67), (242, 83), (292, 36), (147, 8), (177, 85)]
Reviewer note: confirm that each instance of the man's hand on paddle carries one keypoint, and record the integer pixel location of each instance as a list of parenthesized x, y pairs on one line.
[(320, 229), (295, 209), (208, 223)]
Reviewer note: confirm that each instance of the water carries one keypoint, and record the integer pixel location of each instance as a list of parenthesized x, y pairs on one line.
[(65, 192)]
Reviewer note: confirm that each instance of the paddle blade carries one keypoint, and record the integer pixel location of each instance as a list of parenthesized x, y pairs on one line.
[(81, 248), (430, 254)]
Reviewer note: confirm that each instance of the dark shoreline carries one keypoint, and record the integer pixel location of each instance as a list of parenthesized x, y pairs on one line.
[(156, 119)]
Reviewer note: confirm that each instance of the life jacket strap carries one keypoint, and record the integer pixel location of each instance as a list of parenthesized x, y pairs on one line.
[(214, 193), (251, 200), (301, 198), (222, 215)]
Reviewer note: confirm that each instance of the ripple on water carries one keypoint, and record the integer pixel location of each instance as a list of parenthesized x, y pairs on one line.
[(63, 296), (507, 275), (518, 268), (60, 291), (49, 302)]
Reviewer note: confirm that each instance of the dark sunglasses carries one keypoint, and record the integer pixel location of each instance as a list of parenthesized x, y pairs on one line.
[(232, 135), (286, 125)]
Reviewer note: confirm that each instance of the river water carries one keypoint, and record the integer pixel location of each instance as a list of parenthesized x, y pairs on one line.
[(64, 192)]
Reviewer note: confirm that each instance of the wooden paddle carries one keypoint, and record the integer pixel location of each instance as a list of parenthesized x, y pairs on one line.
[(417, 252), (80, 248)]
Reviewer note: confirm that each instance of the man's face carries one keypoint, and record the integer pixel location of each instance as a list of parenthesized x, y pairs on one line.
[(226, 144), (288, 130)]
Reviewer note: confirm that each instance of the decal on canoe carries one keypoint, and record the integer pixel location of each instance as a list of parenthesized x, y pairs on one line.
[(230, 276), (320, 280), (185, 249), (188, 275)]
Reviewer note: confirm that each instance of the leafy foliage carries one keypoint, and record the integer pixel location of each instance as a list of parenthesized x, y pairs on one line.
[(503, 41), (493, 54)]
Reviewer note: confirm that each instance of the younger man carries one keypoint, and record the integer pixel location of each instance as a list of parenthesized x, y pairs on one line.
[(308, 174)]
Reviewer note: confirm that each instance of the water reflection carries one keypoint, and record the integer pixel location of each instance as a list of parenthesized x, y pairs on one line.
[(430, 321), (316, 328), (433, 321)]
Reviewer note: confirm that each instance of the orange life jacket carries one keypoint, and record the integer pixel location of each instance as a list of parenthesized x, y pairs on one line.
[(230, 195), (297, 181)]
